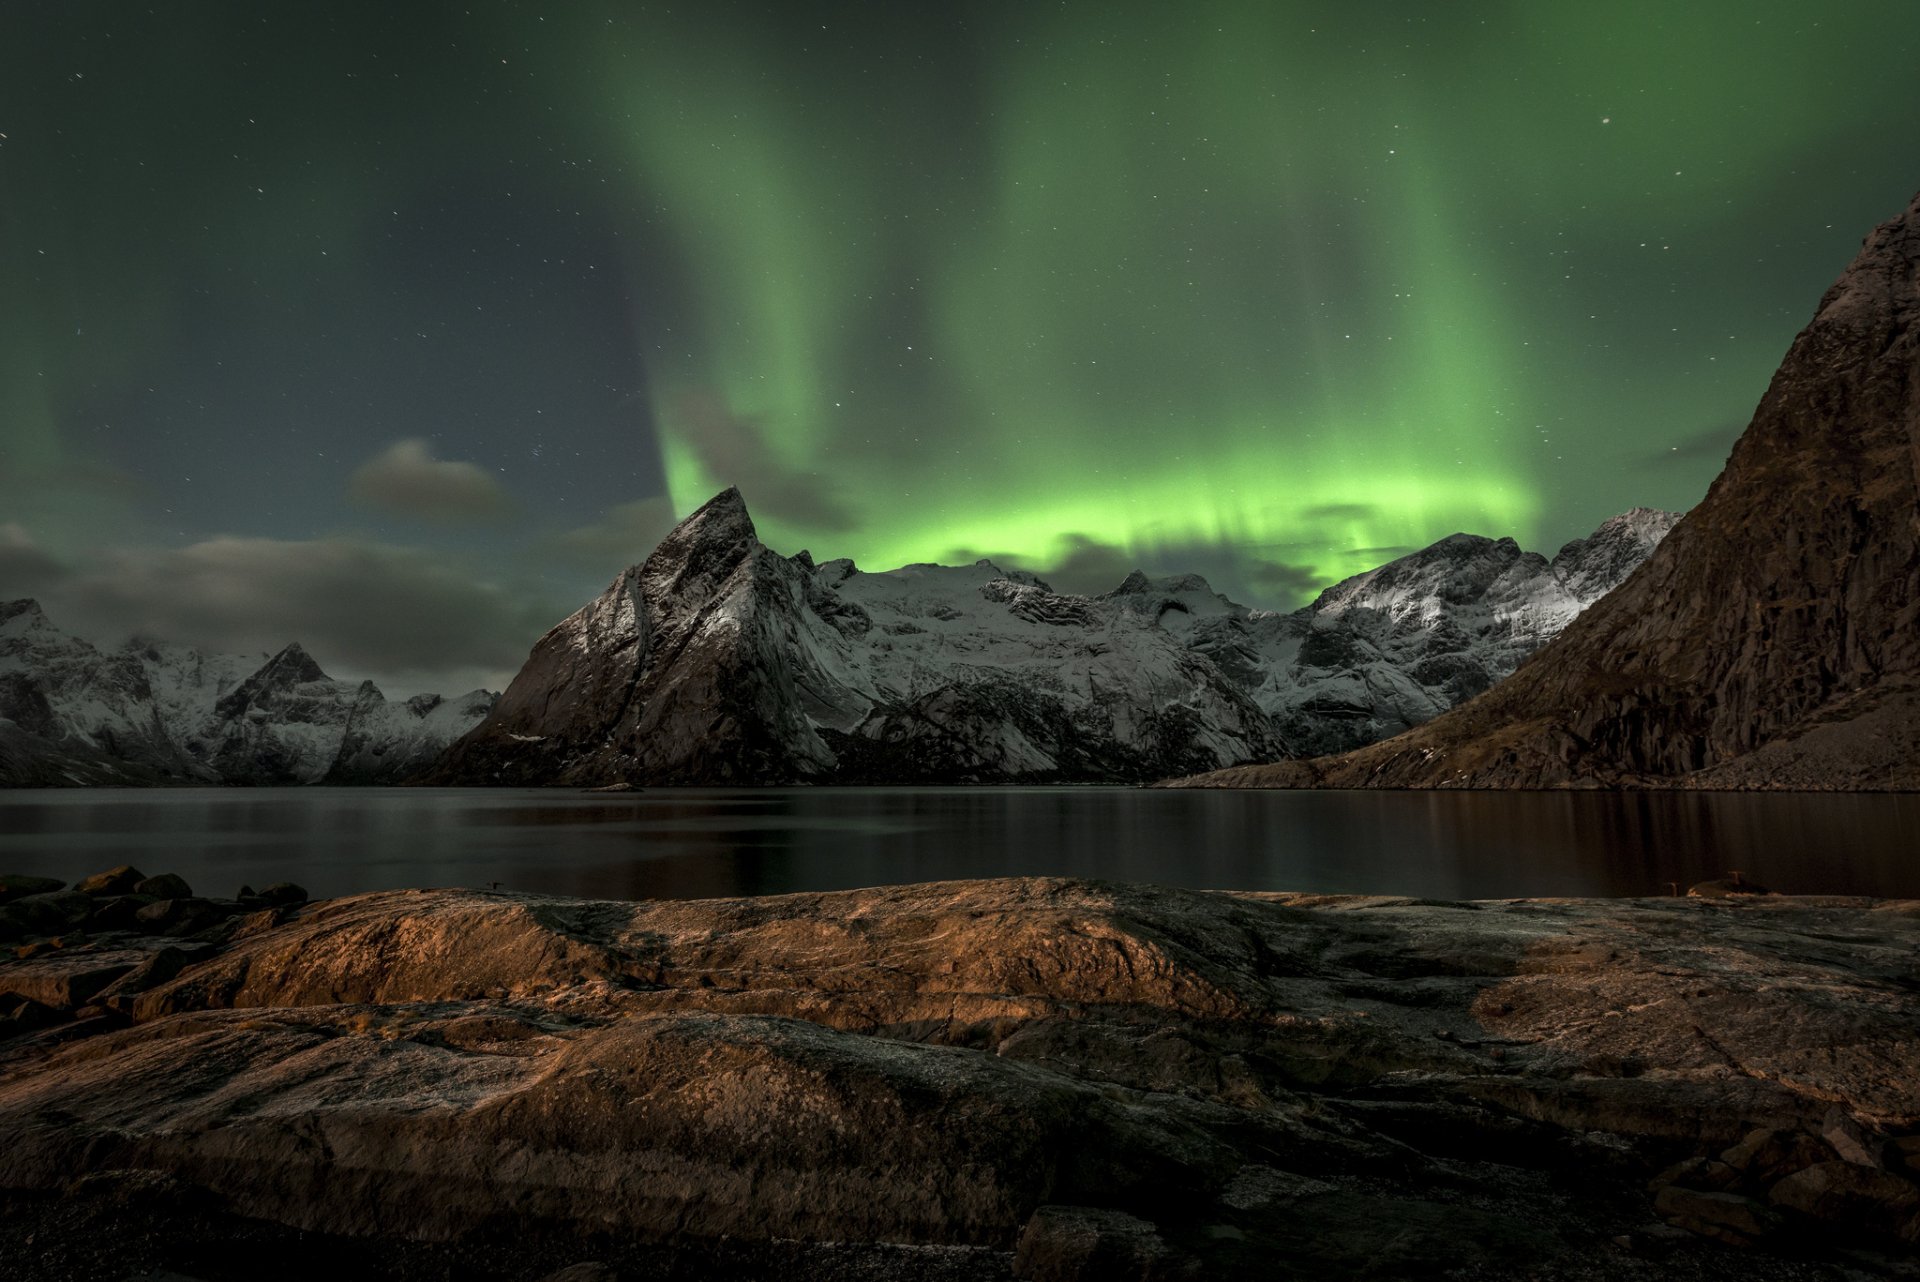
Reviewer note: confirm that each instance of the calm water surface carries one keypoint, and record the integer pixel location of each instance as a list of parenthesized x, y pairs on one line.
[(684, 843)]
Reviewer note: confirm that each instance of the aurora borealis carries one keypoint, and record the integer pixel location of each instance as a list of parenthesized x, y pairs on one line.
[(466, 303)]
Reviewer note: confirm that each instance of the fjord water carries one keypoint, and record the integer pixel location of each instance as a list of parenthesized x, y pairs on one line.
[(695, 843)]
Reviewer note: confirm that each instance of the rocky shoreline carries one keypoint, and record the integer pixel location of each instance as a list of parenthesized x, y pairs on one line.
[(1020, 1078)]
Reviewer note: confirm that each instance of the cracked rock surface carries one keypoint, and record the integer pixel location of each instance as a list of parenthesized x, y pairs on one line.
[(1025, 1077)]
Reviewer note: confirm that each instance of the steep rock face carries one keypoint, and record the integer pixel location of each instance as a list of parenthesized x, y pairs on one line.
[(150, 712), (719, 661), (1773, 639), (682, 671)]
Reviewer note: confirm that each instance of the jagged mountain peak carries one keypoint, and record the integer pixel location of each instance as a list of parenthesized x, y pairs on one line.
[(719, 661), (1140, 583), (702, 550), (22, 614), (292, 666), (150, 711)]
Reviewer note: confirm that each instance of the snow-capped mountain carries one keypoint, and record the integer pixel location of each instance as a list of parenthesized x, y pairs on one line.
[(150, 712), (1398, 645), (719, 661)]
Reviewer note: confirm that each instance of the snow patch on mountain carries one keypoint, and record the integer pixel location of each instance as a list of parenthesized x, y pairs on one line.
[(718, 661), (154, 712)]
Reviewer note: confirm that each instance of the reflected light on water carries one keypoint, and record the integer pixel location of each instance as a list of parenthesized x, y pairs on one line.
[(696, 843)]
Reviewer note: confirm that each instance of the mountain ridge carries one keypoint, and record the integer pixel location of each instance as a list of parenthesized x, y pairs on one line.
[(1773, 639), (150, 712), (718, 661)]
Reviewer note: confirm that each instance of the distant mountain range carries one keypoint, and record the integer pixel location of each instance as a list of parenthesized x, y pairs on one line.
[(1773, 640), (152, 713), (719, 661)]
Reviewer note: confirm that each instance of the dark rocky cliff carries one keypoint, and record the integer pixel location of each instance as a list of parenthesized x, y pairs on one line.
[(1772, 639)]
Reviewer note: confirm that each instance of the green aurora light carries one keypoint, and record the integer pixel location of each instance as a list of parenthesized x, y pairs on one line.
[(1315, 279)]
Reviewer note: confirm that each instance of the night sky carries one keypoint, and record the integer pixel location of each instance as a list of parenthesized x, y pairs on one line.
[(401, 328)]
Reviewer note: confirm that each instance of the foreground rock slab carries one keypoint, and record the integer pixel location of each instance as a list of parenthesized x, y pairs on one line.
[(1016, 1078)]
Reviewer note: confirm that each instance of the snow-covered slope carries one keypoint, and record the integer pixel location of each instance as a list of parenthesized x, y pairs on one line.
[(718, 660), (150, 712), (1398, 645)]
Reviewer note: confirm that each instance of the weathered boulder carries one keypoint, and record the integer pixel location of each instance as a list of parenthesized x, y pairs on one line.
[(13, 885), (165, 886), (114, 881), (51, 912)]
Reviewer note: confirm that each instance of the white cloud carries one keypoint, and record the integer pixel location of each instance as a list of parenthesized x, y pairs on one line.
[(407, 480)]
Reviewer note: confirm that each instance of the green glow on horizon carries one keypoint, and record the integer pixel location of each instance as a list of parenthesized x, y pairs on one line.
[(1227, 275)]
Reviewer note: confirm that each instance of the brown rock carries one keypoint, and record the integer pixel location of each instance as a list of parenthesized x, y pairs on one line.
[(1087, 1244), (66, 978), (115, 881), (1728, 1217), (1257, 1075), (165, 886), (159, 967), (179, 917), (281, 892), (1847, 1194), (117, 912), (51, 913), (20, 1015), (585, 1271), (1767, 1153), (14, 885)]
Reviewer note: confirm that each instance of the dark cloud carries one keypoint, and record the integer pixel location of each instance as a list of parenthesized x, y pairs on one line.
[(1092, 566), (1283, 582), (623, 536), (734, 451), (360, 607), (1711, 445), (1381, 555), (406, 480), (1341, 512), (26, 569)]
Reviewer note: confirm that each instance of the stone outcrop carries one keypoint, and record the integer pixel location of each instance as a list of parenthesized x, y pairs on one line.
[(1773, 639), (1031, 1078)]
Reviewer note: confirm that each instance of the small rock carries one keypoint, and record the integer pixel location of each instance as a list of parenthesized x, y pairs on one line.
[(182, 916), (118, 912), (1726, 887), (1845, 1192), (282, 892), (24, 1015), (165, 886), (114, 881), (1697, 1173), (163, 966), (585, 1271), (1726, 1216), (53, 912), (1089, 1244), (1767, 1154), (65, 979), (16, 885), (245, 892), (1849, 1140)]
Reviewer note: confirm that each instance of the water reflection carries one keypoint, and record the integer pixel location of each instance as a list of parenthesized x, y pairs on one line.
[(682, 843)]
